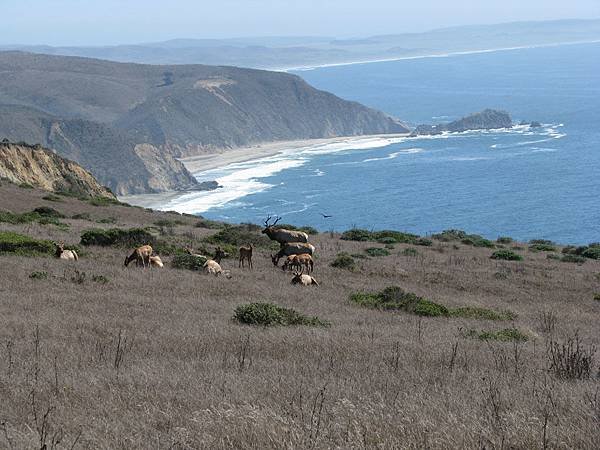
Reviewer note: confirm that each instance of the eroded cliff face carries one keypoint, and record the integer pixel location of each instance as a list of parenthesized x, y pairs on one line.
[(42, 168)]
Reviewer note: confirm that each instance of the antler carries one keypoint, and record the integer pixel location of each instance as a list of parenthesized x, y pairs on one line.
[(275, 223), (267, 221)]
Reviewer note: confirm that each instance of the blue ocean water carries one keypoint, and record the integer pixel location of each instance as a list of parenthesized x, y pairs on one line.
[(525, 183)]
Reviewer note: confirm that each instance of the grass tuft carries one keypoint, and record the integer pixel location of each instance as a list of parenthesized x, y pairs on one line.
[(377, 251), (473, 312), (504, 335)]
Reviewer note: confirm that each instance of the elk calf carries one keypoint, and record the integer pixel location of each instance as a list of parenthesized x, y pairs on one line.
[(155, 261), (245, 255), (304, 260)]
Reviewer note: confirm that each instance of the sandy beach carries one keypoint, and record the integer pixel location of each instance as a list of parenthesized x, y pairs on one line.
[(225, 157)]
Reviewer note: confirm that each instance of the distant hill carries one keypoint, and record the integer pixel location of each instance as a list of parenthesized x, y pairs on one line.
[(39, 167), (293, 52), (128, 122), (488, 119)]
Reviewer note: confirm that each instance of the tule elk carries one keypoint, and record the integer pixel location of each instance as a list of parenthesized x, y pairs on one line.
[(61, 253), (292, 248), (282, 235), (141, 256)]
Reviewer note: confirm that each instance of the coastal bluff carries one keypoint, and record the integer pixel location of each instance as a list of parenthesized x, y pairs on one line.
[(488, 119)]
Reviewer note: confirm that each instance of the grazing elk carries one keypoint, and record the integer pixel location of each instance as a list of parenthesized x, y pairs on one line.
[(155, 261), (303, 279), (245, 255), (298, 262), (213, 266), (189, 251), (141, 256), (292, 248), (61, 253), (282, 235)]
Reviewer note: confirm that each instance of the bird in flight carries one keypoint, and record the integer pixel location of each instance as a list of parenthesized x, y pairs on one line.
[(326, 216)]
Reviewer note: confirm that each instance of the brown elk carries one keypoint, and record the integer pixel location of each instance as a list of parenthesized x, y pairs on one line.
[(141, 256), (213, 266), (245, 255), (298, 262), (292, 248), (61, 253), (303, 279), (282, 235)]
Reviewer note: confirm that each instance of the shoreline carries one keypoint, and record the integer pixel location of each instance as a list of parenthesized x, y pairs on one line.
[(431, 55), (221, 158)]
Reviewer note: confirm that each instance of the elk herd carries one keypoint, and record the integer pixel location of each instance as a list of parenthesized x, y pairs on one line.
[(293, 246)]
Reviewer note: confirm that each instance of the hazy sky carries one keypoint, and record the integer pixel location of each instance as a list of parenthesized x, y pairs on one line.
[(97, 22)]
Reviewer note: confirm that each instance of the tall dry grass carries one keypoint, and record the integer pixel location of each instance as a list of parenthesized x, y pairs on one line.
[(153, 359)]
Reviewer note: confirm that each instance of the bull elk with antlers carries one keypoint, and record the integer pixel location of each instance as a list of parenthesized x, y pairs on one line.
[(282, 235)]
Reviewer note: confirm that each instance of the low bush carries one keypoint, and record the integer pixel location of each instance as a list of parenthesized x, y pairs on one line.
[(377, 251), (268, 314), (52, 198), (306, 229), (344, 261), (597, 297), (236, 235), (189, 262), (210, 224), (506, 255), (24, 245), (395, 298), (409, 252), (571, 359), (504, 335), (105, 201), (469, 239), (541, 242), (384, 237), (556, 257), (101, 279), (504, 240), (132, 237), (82, 216), (168, 223), (38, 275), (107, 220), (25, 186), (591, 251), (542, 247), (472, 312), (42, 215), (572, 258)]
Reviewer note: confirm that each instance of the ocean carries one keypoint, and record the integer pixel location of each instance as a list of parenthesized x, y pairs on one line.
[(525, 182)]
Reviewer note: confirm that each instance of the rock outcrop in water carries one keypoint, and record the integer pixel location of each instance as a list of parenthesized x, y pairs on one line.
[(489, 119)]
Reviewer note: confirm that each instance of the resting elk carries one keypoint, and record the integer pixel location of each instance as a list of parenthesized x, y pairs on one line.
[(61, 253), (141, 256), (303, 279), (282, 235), (155, 261), (213, 266), (292, 248)]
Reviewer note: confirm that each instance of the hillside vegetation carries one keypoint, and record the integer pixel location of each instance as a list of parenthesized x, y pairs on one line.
[(127, 123), (433, 344)]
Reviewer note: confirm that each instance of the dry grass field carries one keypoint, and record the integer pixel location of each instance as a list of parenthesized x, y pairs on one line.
[(94, 355)]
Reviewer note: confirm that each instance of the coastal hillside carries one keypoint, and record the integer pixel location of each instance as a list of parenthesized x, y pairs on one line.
[(442, 342), (39, 167), (127, 123)]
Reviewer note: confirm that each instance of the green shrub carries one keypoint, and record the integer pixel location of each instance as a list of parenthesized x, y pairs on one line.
[(409, 252), (306, 229), (572, 259), (344, 261), (359, 256), (473, 312), (52, 198), (43, 216), (383, 237), (459, 235), (554, 256), (46, 211), (24, 245), (189, 262), (541, 242), (504, 240), (210, 224), (597, 297), (105, 201), (25, 186), (540, 247), (424, 242), (101, 279), (38, 275), (236, 235), (506, 255), (395, 298), (82, 216), (108, 220), (505, 335), (377, 251), (132, 237), (592, 252), (267, 314), (477, 241)]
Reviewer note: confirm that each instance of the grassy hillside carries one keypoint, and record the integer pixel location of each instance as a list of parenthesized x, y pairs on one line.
[(141, 117), (468, 353)]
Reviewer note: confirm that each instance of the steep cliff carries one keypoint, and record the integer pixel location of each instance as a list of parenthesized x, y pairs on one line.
[(42, 168)]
